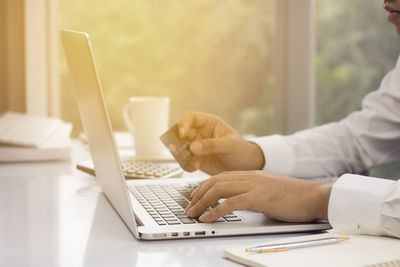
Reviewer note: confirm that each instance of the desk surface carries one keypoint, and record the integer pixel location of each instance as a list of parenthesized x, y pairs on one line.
[(54, 215)]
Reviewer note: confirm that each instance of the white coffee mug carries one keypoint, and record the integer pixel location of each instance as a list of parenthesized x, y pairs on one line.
[(147, 119)]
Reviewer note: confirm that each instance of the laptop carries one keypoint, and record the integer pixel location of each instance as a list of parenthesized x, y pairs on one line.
[(152, 209)]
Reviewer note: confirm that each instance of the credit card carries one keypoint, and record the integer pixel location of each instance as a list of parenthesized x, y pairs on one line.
[(179, 147)]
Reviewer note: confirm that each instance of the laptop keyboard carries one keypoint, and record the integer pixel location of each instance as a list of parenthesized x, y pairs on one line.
[(149, 170), (166, 203)]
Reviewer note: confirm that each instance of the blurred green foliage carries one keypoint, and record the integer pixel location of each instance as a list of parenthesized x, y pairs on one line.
[(211, 56), (356, 46)]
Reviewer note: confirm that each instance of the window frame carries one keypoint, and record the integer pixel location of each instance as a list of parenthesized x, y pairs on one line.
[(41, 45), (12, 69), (294, 64), (30, 73)]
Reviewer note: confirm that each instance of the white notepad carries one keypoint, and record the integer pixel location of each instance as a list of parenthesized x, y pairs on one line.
[(358, 251)]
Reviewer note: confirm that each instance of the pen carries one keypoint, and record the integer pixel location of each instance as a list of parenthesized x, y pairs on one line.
[(298, 244)]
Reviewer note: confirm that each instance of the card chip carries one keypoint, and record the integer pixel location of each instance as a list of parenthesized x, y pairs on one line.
[(179, 147)]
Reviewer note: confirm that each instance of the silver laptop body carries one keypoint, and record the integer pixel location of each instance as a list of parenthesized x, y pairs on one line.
[(103, 149)]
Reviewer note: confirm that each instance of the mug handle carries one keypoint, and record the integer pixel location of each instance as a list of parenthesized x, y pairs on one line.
[(125, 115)]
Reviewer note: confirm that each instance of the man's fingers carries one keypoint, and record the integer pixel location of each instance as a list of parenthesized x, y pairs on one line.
[(192, 119), (185, 124), (222, 177), (205, 186), (193, 164), (223, 145), (216, 192), (239, 202)]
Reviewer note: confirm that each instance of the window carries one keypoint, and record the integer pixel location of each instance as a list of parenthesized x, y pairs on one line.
[(351, 58), (211, 56)]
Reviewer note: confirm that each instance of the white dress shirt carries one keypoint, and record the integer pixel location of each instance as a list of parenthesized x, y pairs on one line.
[(364, 139)]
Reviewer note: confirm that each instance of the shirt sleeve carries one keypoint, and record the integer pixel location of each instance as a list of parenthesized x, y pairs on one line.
[(365, 205), (277, 146), (364, 139)]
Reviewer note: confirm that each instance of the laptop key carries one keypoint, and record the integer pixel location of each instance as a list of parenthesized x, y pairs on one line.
[(187, 221), (173, 219), (179, 213), (169, 218), (176, 208), (173, 222), (230, 215), (165, 213), (183, 216), (233, 219), (170, 203), (159, 207)]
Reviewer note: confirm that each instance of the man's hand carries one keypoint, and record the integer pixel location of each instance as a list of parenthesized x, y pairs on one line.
[(216, 146), (279, 197)]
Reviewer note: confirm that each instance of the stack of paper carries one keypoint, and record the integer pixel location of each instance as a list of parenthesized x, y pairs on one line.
[(58, 146)]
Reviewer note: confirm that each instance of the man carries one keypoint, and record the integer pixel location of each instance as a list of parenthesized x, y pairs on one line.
[(244, 171)]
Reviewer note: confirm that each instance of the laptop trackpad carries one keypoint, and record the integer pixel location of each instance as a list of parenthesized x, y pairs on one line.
[(256, 218)]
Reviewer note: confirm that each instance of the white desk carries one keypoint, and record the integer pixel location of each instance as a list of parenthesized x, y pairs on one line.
[(54, 215)]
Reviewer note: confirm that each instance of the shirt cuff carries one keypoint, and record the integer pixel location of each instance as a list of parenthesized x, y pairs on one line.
[(279, 156), (355, 204)]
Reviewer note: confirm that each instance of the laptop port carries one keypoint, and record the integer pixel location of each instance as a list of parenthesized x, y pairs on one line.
[(159, 235), (186, 233), (174, 234), (200, 233)]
